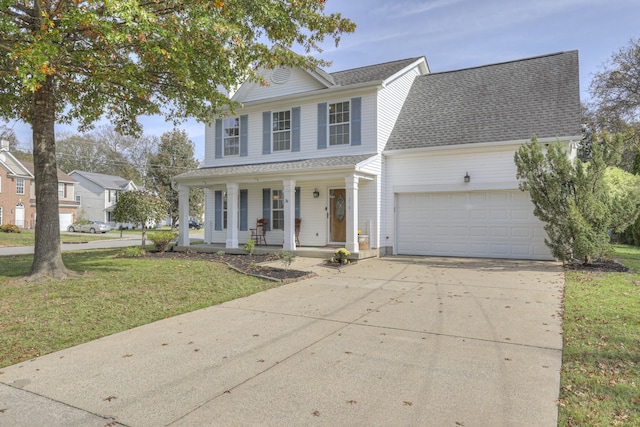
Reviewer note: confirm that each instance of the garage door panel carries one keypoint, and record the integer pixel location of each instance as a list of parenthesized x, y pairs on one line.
[(498, 224)]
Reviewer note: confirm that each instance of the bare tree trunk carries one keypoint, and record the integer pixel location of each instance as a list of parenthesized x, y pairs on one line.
[(47, 259)]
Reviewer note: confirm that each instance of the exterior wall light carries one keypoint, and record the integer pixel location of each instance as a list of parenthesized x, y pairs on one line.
[(316, 193), (467, 178)]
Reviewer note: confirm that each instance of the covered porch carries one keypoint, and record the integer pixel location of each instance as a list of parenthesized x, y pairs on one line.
[(334, 201)]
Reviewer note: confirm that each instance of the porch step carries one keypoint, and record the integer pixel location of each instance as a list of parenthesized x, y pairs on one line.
[(309, 252)]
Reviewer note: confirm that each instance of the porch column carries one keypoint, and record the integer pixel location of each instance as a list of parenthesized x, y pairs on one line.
[(183, 215), (232, 215), (351, 184), (289, 193)]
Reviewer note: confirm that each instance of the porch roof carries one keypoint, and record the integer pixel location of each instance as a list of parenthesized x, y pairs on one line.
[(315, 165)]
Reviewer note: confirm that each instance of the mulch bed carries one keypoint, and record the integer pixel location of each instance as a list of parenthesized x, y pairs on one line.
[(603, 266), (247, 264)]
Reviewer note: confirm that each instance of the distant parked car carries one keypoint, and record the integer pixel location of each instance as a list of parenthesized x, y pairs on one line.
[(195, 224), (91, 227), (124, 226)]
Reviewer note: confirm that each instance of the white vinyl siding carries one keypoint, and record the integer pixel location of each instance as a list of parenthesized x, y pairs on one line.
[(308, 134), (299, 81), (390, 101)]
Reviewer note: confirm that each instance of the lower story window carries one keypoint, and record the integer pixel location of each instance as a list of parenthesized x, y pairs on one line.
[(277, 210)]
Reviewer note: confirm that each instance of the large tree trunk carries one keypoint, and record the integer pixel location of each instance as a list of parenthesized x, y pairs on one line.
[(47, 259)]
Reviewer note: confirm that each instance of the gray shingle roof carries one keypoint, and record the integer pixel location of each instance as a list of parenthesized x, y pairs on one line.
[(500, 102), (371, 73), (62, 177), (105, 181), (276, 167)]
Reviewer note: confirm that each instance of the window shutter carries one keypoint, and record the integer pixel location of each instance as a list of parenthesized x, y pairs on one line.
[(356, 121), (218, 211), (295, 129), (266, 205), (244, 135), (266, 132), (244, 211), (322, 125), (218, 138), (297, 202)]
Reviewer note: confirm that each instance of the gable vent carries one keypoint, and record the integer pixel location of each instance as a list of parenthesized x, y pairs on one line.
[(280, 75)]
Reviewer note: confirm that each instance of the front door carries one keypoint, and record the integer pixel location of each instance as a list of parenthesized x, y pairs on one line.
[(338, 215), (20, 215)]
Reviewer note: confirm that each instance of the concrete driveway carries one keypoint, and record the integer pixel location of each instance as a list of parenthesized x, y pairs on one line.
[(393, 341)]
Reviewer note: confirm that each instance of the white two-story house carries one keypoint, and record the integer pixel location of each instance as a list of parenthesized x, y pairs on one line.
[(421, 163), (97, 194)]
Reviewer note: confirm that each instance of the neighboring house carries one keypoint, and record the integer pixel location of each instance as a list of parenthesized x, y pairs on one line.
[(17, 193), (98, 193), (421, 163)]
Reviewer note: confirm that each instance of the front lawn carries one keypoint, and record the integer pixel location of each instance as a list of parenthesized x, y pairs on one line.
[(110, 295), (601, 354)]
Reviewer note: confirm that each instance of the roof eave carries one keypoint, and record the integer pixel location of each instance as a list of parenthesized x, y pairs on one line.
[(477, 145), (313, 94)]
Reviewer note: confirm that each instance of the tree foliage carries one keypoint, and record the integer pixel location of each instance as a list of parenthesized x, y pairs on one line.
[(139, 207), (105, 151), (66, 60), (624, 191), (617, 86), (175, 156), (570, 197), (615, 104)]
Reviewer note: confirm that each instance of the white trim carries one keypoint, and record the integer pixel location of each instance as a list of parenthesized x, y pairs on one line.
[(475, 146), (420, 63), (438, 188)]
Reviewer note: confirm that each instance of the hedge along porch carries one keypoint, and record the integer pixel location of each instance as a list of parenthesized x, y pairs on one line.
[(334, 198)]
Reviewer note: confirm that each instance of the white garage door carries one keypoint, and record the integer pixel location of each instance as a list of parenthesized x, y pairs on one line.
[(491, 224), (66, 219)]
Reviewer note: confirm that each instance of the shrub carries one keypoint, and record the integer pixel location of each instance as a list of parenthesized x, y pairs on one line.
[(250, 246), (133, 252), (161, 239), (286, 258), (10, 228)]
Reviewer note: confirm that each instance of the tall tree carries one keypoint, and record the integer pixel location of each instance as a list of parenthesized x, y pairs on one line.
[(615, 104), (65, 60), (175, 156)]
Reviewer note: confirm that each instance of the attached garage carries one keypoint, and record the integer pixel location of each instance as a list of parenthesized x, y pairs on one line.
[(484, 224), (66, 219)]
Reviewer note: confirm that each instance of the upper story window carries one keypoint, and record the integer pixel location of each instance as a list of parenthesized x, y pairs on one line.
[(62, 190), (0, 187), (231, 135), (339, 123), (113, 196), (281, 126), (19, 185)]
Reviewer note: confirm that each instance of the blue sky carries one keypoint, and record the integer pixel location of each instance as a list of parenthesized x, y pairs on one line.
[(455, 34)]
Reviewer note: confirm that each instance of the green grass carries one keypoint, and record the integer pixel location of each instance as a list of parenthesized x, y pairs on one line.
[(27, 238), (601, 362), (111, 295)]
